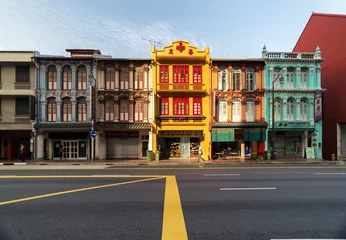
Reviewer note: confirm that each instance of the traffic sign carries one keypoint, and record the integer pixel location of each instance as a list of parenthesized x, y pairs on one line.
[(93, 134)]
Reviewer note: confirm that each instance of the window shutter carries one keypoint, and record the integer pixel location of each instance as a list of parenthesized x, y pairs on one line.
[(219, 80)]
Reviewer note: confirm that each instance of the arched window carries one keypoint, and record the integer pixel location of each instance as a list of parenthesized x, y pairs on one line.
[(82, 109), (124, 110), (139, 111), (223, 110), (236, 110), (278, 83), (110, 78), (51, 107), (304, 106), (124, 78), (67, 78), (66, 110), (277, 109), (250, 110), (139, 78), (250, 80), (290, 109), (223, 79), (52, 78), (237, 82), (109, 110), (82, 78)]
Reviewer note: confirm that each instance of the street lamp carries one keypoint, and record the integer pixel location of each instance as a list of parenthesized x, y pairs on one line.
[(92, 81), (273, 116)]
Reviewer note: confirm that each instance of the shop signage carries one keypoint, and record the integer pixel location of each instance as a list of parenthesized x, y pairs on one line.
[(318, 107), (310, 152), (122, 134), (180, 133), (305, 124)]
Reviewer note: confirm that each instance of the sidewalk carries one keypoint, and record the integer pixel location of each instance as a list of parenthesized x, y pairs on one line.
[(182, 162)]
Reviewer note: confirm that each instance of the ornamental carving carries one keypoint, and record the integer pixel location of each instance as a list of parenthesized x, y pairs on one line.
[(101, 66), (243, 68), (131, 66), (230, 101), (43, 68), (58, 93), (257, 68), (145, 67), (215, 68), (110, 68), (243, 101), (58, 68), (257, 101), (229, 69), (73, 68)]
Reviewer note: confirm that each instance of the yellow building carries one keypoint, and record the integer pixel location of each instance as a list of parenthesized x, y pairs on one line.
[(181, 84)]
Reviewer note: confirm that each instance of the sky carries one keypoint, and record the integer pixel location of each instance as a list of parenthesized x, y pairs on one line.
[(231, 28)]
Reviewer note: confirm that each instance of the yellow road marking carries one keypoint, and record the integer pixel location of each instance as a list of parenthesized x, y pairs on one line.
[(83, 176), (76, 190), (173, 226), (200, 166)]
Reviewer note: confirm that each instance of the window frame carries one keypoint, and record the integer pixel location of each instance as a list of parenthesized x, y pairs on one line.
[(66, 110), (164, 106), (164, 74), (181, 106), (236, 103), (52, 79), (197, 106), (290, 79), (250, 76), (109, 78), (237, 81), (304, 105), (82, 78), (197, 74), (222, 110), (304, 76), (81, 109), (139, 111), (51, 110), (139, 78), (109, 115), (25, 105), (67, 78), (20, 75), (277, 109), (290, 109), (124, 111), (177, 74), (250, 117), (124, 78)]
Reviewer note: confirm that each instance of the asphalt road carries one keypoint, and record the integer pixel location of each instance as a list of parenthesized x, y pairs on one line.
[(217, 203)]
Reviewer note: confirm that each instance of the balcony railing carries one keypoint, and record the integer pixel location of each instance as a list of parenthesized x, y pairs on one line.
[(283, 55), (178, 87)]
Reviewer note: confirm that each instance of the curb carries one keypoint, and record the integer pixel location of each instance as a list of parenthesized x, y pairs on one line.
[(11, 163)]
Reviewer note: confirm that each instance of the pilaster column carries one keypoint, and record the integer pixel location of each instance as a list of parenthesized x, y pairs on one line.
[(88, 108), (284, 104), (311, 84), (74, 110), (116, 73), (58, 75), (297, 108), (40, 147), (284, 75), (58, 109), (318, 77), (101, 109), (150, 143), (43, 110), (131, 103), (229, 109), (131, 77), (88, 69), (297, 83), (74, 77), (145, 109), (43, 77), (269, 81), (311, 110), (146, 69)]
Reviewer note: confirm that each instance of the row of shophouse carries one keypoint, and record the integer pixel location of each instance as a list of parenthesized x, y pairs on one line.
[(175, 102)]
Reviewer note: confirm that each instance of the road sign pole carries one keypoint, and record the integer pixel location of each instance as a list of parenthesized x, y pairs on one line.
[(92, 140)]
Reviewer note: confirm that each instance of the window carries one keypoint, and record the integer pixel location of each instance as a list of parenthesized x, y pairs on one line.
[(290, 78), (290, 109), (139, 111), (304, 79), (124, 111), (22, 106), (124, 78), (164, 106), (109, 110), (0, 106), (236, 110), (181, 106), (82, 110), (22, 74), (250, 110), (250, 80), (139, 78), (197, 74), (277, 109), (52, 79), (277, 72), (0, 76), (180, 74), (197, 106), (67, 78), (110, 78), (82, 78), (304, 109), (66, 110), (51, 110), (164, 73), (223, 79), (223, 111), (237, 86)]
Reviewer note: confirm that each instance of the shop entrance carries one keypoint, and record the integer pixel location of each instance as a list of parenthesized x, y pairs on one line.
[(178, 147)]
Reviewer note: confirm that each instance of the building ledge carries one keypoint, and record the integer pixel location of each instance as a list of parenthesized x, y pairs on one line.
[(181, 117), (240, 125), (123, 125), (25, 85)]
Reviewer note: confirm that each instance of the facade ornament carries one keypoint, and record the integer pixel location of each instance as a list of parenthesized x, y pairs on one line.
[(43, 68), (145, 67), (58, 68), (101, 66), (229, 69), (243, 68), (131, 66), (73, 68), (215, 68), (229, 100)]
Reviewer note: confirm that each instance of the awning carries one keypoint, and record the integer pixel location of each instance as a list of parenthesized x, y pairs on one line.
[(254, 134), (222, 135)]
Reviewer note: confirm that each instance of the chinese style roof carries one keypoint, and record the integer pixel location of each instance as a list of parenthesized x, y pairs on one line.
[(124, 125), (64, 125)]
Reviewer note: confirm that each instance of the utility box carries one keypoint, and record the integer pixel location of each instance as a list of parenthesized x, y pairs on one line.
[(149, 155)]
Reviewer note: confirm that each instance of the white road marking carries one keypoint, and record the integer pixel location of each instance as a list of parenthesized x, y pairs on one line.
[(309, 239), (244, 189), (111, 175), (221, 174), (330, 173)]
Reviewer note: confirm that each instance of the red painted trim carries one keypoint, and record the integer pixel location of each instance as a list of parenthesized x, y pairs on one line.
[(183, 102), (164, 71), (178, 70), (197, 101), (165, 101), (197, 69)]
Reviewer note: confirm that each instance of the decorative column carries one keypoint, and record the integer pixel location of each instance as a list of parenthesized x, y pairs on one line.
[(58, 75), (101, 109), (74, 77), (43, 109), (43, 77), (40, 146), (74, 108), (145, 72), (297, 110), (116, 73), (229, 109), (88, 101), (116, 109), (150, 143), (269, 81), (88, 69), (258, 110), (311, 84), (58, 109), (284, 75), (229, 79), (131, 109), (145, 109), (131, 67), (311, 110), (297, 83), (243, 110), (318, 77)]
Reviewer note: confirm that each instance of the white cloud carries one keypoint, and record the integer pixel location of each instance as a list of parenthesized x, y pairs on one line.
[(50, 29)]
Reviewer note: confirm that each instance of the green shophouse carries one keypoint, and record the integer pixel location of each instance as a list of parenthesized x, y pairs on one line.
[(297, 102)]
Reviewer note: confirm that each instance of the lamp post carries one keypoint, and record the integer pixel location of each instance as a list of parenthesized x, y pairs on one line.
[(92, 81), (273, 116)]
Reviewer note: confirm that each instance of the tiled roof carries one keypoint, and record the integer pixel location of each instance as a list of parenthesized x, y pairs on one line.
[(124, 125), (239, 125), (64, 125)]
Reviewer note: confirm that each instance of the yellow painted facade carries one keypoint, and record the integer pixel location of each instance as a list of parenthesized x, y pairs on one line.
[(193, 126)]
